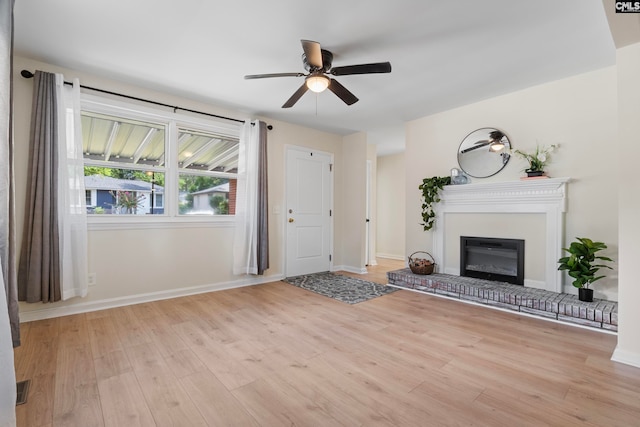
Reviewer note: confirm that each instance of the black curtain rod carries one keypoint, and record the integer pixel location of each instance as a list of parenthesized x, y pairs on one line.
[(28, 74)]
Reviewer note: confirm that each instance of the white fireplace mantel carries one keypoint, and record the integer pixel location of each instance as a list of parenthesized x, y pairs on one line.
[(542, 196)]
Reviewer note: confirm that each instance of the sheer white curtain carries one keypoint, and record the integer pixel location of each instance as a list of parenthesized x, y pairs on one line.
[(245, 240), (9, 324), (72, 207)]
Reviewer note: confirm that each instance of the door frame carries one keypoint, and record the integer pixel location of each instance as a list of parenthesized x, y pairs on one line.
[(287, 148)]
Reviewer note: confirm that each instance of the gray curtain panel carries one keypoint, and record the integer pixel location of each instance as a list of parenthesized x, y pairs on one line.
[(263, 208), (7, 200), (39, 268)]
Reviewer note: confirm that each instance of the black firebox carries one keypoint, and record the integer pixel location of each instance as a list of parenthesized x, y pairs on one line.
[(490, 258)]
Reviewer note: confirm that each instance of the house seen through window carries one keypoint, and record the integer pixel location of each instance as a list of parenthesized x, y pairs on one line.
[(129, 171)]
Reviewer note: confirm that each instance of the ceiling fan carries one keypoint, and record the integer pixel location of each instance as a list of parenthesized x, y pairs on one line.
[(317, 62)]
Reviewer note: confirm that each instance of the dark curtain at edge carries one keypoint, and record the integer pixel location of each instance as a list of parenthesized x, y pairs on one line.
[(263, 209), (7, 210), (39, 268)]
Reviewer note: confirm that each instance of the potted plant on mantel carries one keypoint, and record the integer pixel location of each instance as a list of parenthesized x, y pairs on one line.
[(580, 265), (537, 160)]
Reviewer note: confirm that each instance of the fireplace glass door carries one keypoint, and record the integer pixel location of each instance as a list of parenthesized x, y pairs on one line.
[(488, 258)]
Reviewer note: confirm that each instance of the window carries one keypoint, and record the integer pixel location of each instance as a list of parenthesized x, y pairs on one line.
[(207, 166), (136, 160), (90, 198)]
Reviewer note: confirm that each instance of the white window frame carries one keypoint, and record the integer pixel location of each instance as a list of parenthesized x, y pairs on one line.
[(94, 198), (155, 200), (171, 218)]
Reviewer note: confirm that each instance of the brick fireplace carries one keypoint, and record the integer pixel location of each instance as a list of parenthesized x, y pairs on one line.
[(531, 210)]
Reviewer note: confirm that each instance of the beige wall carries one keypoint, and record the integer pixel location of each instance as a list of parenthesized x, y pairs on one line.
[(353, 196), (390, 226), (579, 112), (166, 261), (628, 64)]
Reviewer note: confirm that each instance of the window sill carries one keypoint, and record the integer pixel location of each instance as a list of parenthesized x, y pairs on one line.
[(159, 222)]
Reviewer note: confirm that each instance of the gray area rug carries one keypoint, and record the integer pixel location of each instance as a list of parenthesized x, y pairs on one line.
[(343, 288)]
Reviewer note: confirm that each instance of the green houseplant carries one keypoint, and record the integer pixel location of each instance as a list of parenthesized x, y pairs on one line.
[(581, 265), (538, 159), (430, 188)]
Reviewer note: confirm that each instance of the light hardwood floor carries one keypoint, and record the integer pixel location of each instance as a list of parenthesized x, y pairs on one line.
[(276, 355)]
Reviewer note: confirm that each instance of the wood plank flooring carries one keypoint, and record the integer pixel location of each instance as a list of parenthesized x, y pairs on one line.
[(275, 355)]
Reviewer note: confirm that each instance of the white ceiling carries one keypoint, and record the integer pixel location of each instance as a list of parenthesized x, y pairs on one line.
[(444, 54)]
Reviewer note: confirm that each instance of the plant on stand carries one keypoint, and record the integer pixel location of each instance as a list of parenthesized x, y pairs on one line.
[(538, 160), (580, 265)]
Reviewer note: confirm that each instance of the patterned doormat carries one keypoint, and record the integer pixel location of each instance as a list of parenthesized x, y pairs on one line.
[(343, 288)]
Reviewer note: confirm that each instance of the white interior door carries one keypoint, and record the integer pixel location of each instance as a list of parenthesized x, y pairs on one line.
[(308, 212)]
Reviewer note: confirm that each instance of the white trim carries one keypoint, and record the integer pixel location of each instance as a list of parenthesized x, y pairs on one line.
[(543, 196), (626, 357), (86, 307), (348, 269), (391, 256)]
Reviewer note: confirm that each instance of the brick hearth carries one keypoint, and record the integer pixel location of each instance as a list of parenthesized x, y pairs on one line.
[(599, 314)]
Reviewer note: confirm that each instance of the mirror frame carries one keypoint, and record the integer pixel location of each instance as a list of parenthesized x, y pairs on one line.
[(483, 163)]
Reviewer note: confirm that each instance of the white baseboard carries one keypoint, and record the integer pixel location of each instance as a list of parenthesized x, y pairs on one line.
[(349, 269), (86, 307), (391, 256), (626, 357)]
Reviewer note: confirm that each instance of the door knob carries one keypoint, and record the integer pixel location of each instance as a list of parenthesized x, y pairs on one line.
[(290, 219)]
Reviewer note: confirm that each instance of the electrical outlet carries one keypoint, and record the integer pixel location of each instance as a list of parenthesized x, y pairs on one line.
[(91, 280)]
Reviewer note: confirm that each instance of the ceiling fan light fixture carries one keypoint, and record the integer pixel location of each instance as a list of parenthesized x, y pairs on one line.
[(496, 146), (317, 83)]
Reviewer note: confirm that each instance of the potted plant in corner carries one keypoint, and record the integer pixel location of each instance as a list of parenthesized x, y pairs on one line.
[(580, 265)]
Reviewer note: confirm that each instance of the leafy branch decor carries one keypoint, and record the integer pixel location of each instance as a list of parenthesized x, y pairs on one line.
[(430, 188)]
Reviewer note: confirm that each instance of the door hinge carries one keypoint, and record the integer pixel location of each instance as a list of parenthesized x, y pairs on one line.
[(330, 212), (329, 257), (330, 167)]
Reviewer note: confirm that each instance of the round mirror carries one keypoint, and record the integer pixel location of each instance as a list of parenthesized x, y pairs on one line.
[(484, 152)]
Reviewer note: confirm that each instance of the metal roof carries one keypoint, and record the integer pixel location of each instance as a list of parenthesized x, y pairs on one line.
[(222, 188), (116, 139)]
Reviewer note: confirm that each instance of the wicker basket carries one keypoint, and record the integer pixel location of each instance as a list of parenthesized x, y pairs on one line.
[(421, 265)]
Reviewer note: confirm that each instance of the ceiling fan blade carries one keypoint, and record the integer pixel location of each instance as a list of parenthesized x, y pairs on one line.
[(378, 67), (313, 52), (296, 96), (265, 76), (342, 92), (476, 145)]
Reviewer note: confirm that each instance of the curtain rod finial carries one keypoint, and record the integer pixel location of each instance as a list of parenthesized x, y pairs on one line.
[(26, 74)]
